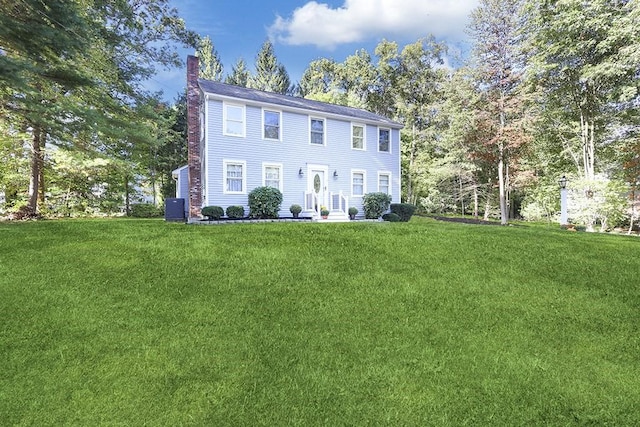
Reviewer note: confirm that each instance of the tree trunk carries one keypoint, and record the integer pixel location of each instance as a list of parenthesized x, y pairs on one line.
[(633, 210), (461, 197), (587, 129), (475, 200), (127, 196), (41, 184), (36, 169), (487, 206), (504, 213), (412, 160)]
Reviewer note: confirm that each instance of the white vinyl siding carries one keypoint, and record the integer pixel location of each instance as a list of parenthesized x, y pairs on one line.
[(271, 124), (253, 161), (234, 120), (357, 137), (235, 177), (358, 183), (317, 131), (272, 175)]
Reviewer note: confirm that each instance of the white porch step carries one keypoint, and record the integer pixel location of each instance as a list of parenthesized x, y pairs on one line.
[(335, 217)]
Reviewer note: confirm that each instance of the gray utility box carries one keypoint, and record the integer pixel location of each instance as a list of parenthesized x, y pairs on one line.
[(174, 209)]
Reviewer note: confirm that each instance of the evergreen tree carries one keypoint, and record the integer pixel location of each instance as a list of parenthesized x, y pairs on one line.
[(240, 75), (211, 67), (76, 68), (172, 152), (270, 76)]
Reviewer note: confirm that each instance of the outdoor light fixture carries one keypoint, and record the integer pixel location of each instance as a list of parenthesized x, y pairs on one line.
[(563, 182), (335, 173), (300, 173)]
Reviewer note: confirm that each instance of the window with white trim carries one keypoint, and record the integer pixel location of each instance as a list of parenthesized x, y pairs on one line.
[(317, 131), (357, 137), (384, 140), (235, 177), (234, 120), (272, 175), (358, 179), (271, 124), (384, 182)]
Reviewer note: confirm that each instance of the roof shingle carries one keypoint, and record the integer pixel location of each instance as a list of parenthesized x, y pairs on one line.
[(258, 96)]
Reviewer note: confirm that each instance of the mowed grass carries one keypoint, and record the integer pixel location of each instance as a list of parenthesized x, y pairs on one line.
[(142, 322)]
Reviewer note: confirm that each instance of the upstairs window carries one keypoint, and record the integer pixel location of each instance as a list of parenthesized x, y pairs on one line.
[(384, 138), (271, 125), (357, 137), (234, 119), (317, 131)]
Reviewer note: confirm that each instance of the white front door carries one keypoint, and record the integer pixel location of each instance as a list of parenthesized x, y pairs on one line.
[(317, 185)]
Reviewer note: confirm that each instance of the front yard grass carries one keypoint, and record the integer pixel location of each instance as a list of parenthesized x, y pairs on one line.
[(142, 322)]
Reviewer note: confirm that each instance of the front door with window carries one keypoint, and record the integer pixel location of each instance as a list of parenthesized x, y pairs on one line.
[(317, 185)]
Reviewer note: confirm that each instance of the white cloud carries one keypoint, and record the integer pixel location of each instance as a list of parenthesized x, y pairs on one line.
[(360, 20)]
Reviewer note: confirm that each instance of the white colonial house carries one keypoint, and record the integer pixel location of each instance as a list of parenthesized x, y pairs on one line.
[(317, 154)]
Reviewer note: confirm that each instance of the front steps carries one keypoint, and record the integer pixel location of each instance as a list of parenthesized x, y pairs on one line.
[(336, 216)]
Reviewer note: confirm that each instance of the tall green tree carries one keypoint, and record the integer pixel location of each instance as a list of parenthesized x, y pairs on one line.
[(239, 75), (43, 60), (211, 67), (495, 28), (465, 165), (584, 60), (415, 85), (358, 75), (82, 70), (14, 167), (321, 81), (271, 75), (172, 152)]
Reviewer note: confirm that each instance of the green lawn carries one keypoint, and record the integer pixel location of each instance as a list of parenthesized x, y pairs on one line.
[(141, 322)]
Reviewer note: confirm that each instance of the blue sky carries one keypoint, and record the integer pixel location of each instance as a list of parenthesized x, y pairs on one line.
[(302, 31)]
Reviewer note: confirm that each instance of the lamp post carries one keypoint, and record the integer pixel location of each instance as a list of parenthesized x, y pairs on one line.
[(562, 182)]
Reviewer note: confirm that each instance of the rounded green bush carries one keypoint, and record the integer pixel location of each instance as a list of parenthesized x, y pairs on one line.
[(403, 210), (264, 202), (235, 211), (375, 204), (212, 212), (295, 209), (391, 217)]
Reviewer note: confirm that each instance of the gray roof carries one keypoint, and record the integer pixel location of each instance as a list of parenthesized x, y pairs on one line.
[(285, 101)]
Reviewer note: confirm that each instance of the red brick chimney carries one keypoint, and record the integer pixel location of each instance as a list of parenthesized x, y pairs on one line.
[(193, 138)]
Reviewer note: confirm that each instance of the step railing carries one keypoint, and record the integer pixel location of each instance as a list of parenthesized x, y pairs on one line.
[(339, 202)]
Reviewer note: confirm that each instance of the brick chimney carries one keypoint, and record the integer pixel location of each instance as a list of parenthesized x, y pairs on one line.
[(193, 138)]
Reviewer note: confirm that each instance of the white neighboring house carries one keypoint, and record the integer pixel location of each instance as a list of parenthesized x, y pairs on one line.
[(317, 154)]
